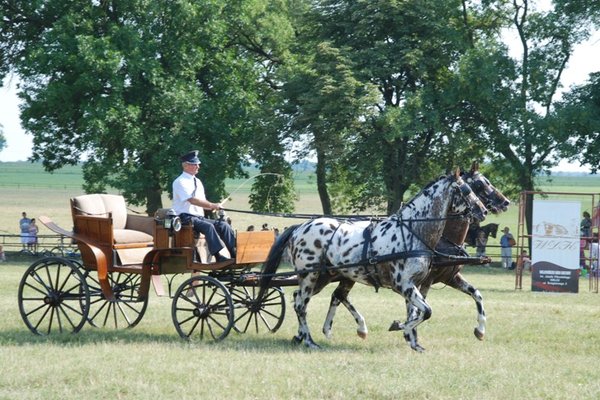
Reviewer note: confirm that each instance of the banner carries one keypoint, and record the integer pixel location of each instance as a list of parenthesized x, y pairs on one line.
[(555, 246)]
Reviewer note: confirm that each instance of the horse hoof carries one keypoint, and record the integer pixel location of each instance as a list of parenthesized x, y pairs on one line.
[(418, 348), (362, 335), (478, 334), (396, 326), (296, 340)]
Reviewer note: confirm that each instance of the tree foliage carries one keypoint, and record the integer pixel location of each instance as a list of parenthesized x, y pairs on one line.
[(131, 85), (384, 94), (2, 138)]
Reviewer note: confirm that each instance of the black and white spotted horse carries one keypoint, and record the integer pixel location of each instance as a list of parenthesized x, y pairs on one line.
[(398, 252), (453, 238)]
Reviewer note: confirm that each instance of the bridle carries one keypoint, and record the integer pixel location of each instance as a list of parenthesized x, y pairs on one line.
[(485, 190)]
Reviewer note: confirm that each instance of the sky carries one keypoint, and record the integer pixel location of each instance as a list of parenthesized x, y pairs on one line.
[(19, 143)]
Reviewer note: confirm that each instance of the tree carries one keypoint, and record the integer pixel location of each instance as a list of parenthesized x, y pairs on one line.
[(2, 138), (514, 99), (407, 51), (131, 85), (579, 113), (325, 103)]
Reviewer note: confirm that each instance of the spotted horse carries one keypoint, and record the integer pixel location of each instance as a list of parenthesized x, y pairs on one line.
[(448, 271), (395, 253)]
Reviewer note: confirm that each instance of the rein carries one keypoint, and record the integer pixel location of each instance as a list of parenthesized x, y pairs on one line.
[(353, 217)]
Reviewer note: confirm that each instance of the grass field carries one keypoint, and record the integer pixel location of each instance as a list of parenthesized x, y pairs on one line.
[(537, 346)]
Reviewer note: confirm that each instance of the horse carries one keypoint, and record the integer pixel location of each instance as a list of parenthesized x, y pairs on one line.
[(395, 253), (443, 269), (474, 229), (453, 238)]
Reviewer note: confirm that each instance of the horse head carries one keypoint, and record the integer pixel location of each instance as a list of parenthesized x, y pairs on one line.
[(494, 200), (492, 230), (437, 201), (466, 201)]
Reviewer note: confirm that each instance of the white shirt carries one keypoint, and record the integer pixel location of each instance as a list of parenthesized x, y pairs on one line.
[(185, 187)]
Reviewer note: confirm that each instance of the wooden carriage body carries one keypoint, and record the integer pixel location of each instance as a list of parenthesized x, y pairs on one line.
[(123, 254)]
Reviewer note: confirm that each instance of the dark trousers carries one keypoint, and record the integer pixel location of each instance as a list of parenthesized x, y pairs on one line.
[(212, 231)]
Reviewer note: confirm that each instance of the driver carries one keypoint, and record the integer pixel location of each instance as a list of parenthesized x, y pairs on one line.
[(189, 201)]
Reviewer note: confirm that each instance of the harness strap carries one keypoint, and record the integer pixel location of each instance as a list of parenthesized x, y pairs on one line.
[(322, 260), (371, 270)]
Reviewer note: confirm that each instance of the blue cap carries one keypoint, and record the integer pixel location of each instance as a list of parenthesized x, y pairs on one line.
[(191, 157)]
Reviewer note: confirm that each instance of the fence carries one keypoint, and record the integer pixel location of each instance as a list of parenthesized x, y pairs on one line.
[(57, 245)]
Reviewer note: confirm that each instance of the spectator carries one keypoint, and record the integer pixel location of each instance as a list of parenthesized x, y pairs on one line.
[(2, 255), (480, 244), (507, 241), (24, 227), (32, 244), (585, 227), (525, 261)]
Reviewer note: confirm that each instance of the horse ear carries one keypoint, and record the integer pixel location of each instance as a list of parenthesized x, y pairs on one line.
[(475, 166)]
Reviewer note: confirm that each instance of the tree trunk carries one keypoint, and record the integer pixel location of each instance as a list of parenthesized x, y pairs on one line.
[(153, 199), (322, 183)]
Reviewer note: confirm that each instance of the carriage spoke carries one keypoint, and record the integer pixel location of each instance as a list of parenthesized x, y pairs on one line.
[(264, 314), (127, 308), (205, 304), (53, 297)]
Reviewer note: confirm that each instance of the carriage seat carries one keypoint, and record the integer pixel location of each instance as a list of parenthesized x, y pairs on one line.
[(131, 235)]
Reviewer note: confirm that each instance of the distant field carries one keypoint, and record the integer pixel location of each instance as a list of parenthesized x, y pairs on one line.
[(26, 187)]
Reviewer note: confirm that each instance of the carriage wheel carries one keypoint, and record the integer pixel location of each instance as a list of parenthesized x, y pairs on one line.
[(268, 313), (53, 297), (202, 307), (126, 311)]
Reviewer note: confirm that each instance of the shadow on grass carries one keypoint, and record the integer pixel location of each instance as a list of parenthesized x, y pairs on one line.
[(258, 343)]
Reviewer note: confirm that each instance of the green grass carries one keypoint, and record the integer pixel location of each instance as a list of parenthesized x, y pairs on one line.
[(537, 346)]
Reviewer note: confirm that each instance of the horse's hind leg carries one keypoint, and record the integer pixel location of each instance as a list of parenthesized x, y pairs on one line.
[(458, 282), (302, 296), (340, 295)]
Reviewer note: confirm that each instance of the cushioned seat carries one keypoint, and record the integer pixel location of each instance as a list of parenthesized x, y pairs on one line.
[(132, 235)]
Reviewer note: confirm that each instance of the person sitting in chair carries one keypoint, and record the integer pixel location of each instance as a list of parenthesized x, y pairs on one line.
[(189, 202)]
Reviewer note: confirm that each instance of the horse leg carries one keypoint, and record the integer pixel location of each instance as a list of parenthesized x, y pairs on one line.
[(398, 325), (459, 283), (340, 295), (423, 311), (302, 296)]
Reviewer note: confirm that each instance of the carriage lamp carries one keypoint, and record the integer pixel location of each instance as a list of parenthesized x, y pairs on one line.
[(168, 219)]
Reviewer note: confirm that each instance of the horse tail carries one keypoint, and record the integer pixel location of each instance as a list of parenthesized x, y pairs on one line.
[(274, 259)]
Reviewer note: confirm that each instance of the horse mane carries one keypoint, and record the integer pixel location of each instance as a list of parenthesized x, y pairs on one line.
[(427, 186)]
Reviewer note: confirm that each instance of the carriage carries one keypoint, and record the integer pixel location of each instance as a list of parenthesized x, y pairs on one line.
[(122, 255)]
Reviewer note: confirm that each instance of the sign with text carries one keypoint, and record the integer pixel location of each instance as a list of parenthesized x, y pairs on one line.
[(555, 246)]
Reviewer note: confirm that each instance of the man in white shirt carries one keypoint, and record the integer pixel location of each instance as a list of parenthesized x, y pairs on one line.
[(189, 201)]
